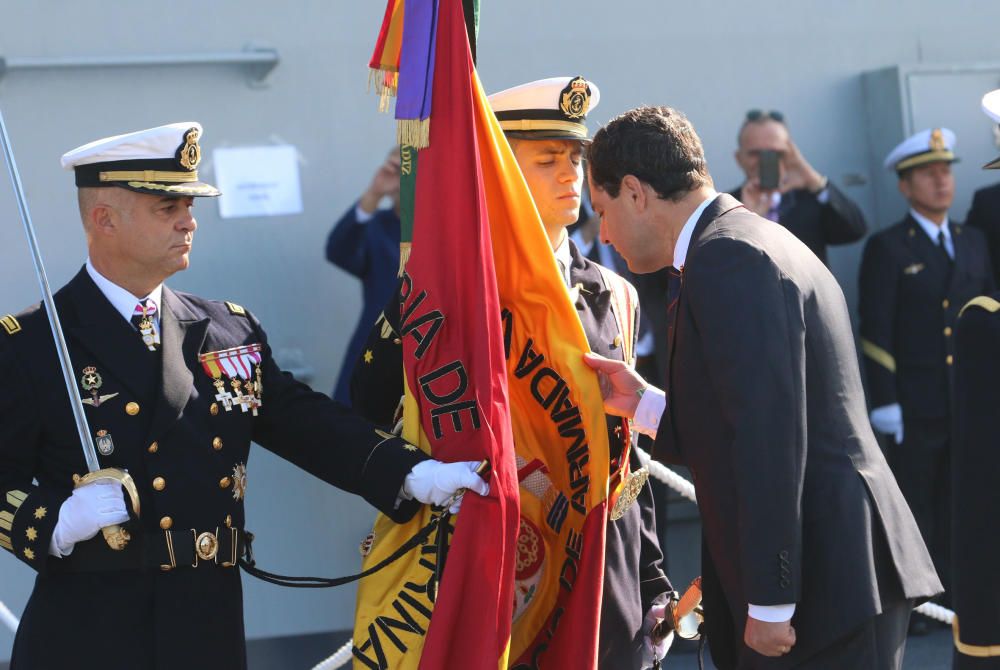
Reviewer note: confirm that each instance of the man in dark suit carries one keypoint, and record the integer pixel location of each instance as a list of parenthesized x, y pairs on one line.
[(984, 215), (803, 200), (811, 557), (915, 277), (365, 243), (547, 146), (976, 475), (174, 388)]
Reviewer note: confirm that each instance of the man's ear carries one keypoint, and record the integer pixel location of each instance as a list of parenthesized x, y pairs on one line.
[(101, 218), (904, 186), (633, 190)]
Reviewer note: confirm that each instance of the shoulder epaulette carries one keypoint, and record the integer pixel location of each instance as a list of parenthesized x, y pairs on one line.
[(10, 324), (983, 302), (236, 309)]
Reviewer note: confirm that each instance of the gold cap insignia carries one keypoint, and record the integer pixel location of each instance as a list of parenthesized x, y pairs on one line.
[(189, 155), (574, 100), (937, 140)]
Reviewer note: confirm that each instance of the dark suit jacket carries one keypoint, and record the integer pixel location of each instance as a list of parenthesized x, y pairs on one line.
[(177, 431), (838, 221), (909, 305), (767, 410), (985, 216), (370, 252), (975, 478), (633, 577)]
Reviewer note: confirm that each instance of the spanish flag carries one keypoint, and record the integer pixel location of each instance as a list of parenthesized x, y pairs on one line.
[(492, 351)]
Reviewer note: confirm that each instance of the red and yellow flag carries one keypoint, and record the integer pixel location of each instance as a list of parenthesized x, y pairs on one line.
[(493, 365)]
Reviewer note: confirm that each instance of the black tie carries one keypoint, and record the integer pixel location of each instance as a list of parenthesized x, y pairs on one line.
[(673, 294), (944, 250)]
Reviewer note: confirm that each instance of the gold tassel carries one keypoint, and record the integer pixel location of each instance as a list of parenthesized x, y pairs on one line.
[(385, 83), (404, 256), (414, 132)]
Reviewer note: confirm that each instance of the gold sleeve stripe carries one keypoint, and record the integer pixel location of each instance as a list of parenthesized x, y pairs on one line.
[(981, 651), (10, 324), (5, 542), (15, 498), (984, 301), (236, 309), (6, 521), (879, 355)]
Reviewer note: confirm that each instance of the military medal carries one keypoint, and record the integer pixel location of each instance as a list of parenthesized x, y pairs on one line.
[(239, 481), (145, 325), (241, 366), (367, 544), (91, 381), (105, 447)]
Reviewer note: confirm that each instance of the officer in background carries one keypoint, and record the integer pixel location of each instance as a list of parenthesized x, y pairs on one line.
[(547, 144), (174, 388), (915, 277), (976, 476)]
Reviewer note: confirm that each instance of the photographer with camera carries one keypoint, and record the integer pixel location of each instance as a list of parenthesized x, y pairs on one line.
[(782, 186)]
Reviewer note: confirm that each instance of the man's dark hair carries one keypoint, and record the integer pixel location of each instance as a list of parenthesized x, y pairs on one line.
[(658, 145)]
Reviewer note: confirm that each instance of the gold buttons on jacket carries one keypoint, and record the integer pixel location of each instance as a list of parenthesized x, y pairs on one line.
[(159, 483), (166, 523), (950, 359), (217, 443), (153, 448), (225, 483), (945, 303), (132, 408), (213, 409), (947, 331)]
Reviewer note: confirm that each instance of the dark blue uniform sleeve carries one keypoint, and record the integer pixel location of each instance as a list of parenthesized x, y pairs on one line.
[(346, 245)]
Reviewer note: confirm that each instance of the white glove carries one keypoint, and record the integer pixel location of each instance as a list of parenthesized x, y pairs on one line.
[(655, 649), (92, 507), (888, 419), (434, 483)]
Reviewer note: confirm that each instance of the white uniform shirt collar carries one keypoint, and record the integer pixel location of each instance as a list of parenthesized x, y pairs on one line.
[(123, 301), (933, 230), (684, 239), (564, 258)]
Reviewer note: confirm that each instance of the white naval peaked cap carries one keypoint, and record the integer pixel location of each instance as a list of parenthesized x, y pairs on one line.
[(928, 146), (991, 105), (554, 108), (160, 161)]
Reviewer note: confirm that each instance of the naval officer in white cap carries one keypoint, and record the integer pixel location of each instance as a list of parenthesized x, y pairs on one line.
[(545, 123), (175, 388), (915, 277)]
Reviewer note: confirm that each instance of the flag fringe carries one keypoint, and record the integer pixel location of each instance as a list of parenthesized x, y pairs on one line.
[(404, 256), (385, 83), (414, 132)]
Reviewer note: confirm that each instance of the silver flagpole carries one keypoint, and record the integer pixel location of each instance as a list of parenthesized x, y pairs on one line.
[(116, 537)]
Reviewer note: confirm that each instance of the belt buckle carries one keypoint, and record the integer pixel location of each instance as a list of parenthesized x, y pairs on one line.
[(206, 546)]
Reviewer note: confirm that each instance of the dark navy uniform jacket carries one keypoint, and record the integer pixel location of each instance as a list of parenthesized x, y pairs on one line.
[(975, 481), (909, 304), (633, 578), (97, 608)]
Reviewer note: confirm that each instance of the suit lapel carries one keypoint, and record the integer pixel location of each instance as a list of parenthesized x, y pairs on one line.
[(102, 331), (182, 334), (594, 300), (721, 205)]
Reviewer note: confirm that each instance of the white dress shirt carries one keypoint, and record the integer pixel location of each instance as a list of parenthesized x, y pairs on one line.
[(654, 402), (123, 301), (933, 230)]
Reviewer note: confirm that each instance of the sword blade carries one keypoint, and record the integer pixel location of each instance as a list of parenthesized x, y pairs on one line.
[(86, 441)]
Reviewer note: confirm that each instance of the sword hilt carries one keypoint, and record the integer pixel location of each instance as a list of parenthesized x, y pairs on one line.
[(116, 536)]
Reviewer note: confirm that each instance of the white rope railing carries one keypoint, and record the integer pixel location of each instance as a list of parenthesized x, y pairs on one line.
[(8, 618), (686, 489)]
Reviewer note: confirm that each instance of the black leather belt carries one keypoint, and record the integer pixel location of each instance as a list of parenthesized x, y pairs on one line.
[(163, 550)]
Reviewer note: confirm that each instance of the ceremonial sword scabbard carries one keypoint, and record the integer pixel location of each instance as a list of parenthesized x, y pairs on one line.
[(116, 536)]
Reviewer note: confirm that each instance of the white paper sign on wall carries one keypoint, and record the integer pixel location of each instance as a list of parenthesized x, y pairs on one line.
[(258, 181)]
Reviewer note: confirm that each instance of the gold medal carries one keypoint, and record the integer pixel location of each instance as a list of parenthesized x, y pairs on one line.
[(629, 492)]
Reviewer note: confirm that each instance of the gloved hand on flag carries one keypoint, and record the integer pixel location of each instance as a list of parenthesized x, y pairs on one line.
[(436, 483)]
